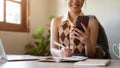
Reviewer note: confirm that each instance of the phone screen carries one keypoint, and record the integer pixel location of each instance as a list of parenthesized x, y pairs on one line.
[(82, 19)]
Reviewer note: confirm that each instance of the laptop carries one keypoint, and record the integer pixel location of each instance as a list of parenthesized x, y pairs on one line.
[(4, 56)]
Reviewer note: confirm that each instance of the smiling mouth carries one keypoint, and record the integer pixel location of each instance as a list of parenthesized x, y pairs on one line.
[(75, 6)]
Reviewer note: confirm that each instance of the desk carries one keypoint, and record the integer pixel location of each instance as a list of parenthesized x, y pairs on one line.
[(35, 64)]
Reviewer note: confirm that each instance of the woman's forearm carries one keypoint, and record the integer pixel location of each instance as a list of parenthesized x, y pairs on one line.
[(90, 50)]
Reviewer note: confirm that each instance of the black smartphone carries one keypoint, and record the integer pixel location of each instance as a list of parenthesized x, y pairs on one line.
[(82, 19)]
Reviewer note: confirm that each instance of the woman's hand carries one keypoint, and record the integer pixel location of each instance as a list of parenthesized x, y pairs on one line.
[(65, 52), (84, 37)]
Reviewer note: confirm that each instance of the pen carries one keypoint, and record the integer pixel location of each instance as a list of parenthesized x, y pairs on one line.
[(58, 44)]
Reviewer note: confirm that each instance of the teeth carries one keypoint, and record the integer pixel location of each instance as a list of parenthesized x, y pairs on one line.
[(75, 6)]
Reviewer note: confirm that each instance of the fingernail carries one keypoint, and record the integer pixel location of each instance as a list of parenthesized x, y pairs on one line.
[(73, 30)]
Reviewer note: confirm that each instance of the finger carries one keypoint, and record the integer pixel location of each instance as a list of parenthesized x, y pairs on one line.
[(76, 33), (79, 38), (79, 32), (69, 55), (68, 50), (84, 27)]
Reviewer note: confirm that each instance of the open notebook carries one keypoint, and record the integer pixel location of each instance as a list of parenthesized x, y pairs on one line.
[(62, 59), (4, 56)]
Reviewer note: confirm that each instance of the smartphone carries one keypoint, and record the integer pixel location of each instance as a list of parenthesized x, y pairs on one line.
[(82, 19)]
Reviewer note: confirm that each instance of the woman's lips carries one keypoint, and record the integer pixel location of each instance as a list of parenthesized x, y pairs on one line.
[(75, 6)]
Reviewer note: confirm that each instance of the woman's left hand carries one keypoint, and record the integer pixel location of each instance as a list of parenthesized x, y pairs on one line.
[(84, 37)]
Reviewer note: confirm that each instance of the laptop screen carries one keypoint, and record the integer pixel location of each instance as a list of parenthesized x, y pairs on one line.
[(2, 51)]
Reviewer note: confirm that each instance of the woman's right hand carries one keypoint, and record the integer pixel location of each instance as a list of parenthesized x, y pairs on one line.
[(66, 52)]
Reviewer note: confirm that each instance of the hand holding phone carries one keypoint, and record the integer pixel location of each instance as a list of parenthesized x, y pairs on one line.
[(82, 19)]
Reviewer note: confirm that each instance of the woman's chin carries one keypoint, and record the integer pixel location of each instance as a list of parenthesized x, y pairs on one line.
[(76, 10)]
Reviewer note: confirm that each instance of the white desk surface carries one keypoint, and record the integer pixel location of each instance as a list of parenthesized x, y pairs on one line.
[(35, 64)]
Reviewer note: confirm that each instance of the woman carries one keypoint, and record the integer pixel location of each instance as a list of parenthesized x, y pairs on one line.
[(75, 41)]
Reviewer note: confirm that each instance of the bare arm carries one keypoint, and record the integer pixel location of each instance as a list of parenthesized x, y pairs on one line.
[(89, 37), (54, 48), (91, 45), (54, 37)]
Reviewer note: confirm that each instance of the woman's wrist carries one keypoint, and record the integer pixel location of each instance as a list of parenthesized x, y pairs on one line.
[(59, 53), (55, 52), (88, 42)]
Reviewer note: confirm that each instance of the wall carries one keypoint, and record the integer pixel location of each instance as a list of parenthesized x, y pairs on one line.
[(107, 12), (14, 42), (38, 14)]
